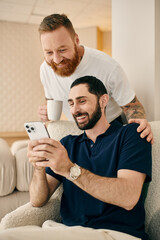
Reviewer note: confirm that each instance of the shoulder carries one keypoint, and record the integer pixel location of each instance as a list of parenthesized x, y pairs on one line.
[(129, 135), (126, 136), (97, 54), (46, 72), (45, 68), (124, 129), (130, 128), (108, 64), (44, 65)]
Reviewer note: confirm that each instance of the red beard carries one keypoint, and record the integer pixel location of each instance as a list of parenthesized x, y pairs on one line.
[(70, 65)]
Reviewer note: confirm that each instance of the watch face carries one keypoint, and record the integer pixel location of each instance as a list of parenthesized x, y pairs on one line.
[(75, 172)]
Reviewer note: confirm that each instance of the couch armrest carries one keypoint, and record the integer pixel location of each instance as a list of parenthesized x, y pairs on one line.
[(152, 202), (17, 145), (28, 215)]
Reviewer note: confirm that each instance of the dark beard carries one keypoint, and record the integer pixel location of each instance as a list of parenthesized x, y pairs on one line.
[(69, 68), (96, 115)]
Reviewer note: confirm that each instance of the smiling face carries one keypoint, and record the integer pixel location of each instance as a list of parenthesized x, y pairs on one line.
[(84, 106), (61, 50)]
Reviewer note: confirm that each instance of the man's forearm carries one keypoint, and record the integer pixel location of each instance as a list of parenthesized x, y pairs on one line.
[(118, 191), (134, 109), (39, 190)]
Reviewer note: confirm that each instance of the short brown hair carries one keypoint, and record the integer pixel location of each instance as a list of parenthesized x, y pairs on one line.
[(95, 86), (55, 21)]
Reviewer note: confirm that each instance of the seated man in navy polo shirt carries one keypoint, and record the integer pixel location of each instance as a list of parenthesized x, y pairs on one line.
[(102, 170)]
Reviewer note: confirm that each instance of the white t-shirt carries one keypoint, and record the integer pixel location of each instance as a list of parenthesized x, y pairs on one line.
[(94, 63)]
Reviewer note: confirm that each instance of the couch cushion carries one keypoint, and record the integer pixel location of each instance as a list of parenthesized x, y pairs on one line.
[(12, 201), (7, 169)]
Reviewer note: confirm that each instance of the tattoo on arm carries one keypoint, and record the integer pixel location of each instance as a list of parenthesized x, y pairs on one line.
[(134, 109)]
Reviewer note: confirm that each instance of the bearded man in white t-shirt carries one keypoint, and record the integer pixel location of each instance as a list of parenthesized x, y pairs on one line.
[(67, 60)]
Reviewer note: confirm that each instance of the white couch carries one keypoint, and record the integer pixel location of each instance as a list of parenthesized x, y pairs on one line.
[(28, 215), (15, 174), (15, 170)]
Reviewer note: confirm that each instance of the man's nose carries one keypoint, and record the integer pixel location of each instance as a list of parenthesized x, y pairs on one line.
[(57, 58), (75, 109)]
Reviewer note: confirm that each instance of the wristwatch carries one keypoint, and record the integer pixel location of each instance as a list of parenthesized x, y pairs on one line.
[(75, 172)]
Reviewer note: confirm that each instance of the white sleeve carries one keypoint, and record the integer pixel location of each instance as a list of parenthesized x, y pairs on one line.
[(119, 87), (45, 81)]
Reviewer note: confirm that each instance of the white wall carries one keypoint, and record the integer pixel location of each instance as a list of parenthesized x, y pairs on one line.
[(20, 88), (95, 38), (88, 36), (133, 46), (157, 60)]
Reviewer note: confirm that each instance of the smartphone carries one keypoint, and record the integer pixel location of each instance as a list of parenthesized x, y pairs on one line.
[(36, 130)]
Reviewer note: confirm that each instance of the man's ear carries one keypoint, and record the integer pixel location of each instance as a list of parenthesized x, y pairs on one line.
[(104, 100), (76, 39)]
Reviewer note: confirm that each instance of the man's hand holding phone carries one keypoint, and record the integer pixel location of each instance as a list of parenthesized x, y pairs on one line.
[(35, 131), (31, 156), (46, 152), (53, 151)]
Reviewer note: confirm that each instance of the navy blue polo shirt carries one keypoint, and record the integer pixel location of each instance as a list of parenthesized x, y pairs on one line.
[(120, 147)]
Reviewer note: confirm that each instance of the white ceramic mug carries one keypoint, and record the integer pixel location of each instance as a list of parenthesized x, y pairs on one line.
[(54, 109)]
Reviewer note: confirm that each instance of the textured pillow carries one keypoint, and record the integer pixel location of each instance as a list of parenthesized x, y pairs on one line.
[(7, 169), (60, 129)]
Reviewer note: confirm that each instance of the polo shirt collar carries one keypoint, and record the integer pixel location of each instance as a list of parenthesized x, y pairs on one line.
[(114, 125), (84, 135)]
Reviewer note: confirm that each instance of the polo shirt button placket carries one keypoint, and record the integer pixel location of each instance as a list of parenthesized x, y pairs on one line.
[(93, 149)]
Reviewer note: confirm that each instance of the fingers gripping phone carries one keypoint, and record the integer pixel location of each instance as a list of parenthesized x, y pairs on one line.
[(36, 130)]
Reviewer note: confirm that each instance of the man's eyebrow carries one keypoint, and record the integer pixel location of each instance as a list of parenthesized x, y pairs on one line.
[(47, 50), (70, 100), (62, 46), (77, 98)]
